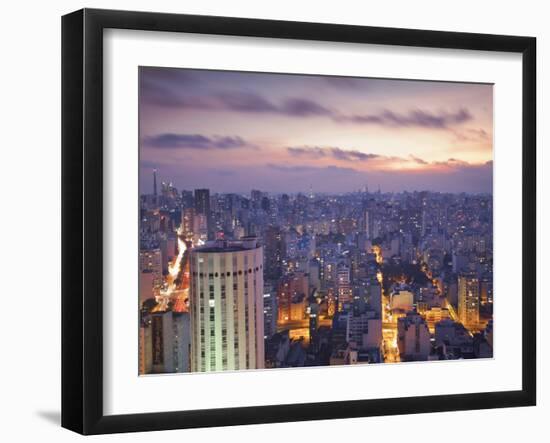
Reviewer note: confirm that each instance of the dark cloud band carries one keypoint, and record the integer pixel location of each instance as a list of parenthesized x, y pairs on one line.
[(192, 141), (157, 93), (414, 118), (337, 153)]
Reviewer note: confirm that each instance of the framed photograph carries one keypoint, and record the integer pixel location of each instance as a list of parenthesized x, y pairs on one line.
[(268, 221)]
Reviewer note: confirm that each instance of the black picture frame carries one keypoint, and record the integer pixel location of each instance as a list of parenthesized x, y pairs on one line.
[(82, 216)]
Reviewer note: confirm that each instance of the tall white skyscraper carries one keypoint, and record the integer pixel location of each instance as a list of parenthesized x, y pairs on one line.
[(226, 301)]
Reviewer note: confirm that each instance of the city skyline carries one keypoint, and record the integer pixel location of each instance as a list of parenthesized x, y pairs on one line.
[(231, 131), (375, 188), (234, 282)]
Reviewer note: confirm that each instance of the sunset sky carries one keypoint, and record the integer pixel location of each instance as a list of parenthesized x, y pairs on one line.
[(236, 131)]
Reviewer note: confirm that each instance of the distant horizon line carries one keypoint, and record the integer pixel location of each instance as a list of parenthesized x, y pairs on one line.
[(306, 193)]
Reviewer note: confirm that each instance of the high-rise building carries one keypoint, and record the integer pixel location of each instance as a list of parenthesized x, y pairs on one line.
[(413, 338), (187, 199), (402, 299), (313, 313), (227, 305), (169, 334), (343, 286), (150, 222), (148, 285), (329, 272), (451, 333), (486, 289), (202, 206), (313, 274), (187, 221), (375, 297), (256, 197), (145, 350), (454, 339), (275, 252), (291, 243), (150, 263), (163, 246), (292, 295), (365, 329), (270, 311), (202, 201), (200, 228), (460, 262), (468, 299), (155, 183), (451, 292), (238, 232)]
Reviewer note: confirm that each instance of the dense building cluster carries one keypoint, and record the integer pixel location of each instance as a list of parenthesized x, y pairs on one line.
[(262, 280)]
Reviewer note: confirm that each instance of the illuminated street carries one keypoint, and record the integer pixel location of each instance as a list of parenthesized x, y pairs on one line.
[(389, 323)]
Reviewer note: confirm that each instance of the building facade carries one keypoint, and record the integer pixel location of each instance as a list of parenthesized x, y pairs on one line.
[(164, 345), (227, 304), (150, 273), (413, 338), (275, 252), (468, 299), (202, 207), (292, 294)]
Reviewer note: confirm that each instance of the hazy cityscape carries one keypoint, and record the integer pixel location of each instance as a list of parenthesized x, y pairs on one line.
[(259, 250)]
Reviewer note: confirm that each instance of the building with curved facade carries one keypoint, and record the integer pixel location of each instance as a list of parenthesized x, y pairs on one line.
[(226, 304)]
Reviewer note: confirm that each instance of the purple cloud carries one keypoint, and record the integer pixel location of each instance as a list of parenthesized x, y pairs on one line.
[(417, 117), (418, 160), (185, 89), (342, 154), (193, 141), (307, 151), (300, 107), (307, 168), (315, 152), (159, 90), (163, 95), (244, 102)]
